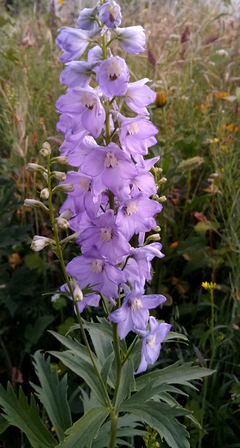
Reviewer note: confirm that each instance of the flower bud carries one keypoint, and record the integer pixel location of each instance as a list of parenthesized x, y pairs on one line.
[(33, 167), (67, 214), (44, 193), (46, 149), (153, 238), (62, 223), (189, 164), (161, 99), (162, 181), (157, 170), (62, 160), (59, 175), (157, 229), (39, 242), (77, 293), (32, 203), (66, 188)]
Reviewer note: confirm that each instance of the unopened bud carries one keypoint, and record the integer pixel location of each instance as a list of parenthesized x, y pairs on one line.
[(157, 170), (67, 188), (157, 229), (62, 160), (162, 181), (32, 203), (153, 238), (162, 199), (59, 175), (77, 293), (67, 214), (39, 242), (44, 193), (161, 99), (46, 149), (33, 167), (62, 223)]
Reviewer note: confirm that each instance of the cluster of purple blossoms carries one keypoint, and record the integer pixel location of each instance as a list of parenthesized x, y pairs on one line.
[(112, 185)]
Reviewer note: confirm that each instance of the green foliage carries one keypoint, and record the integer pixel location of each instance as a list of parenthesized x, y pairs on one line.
[(26, 417), (52, 394)]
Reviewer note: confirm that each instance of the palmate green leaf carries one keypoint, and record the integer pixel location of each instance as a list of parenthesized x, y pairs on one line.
[(26, 417), (175, 374), (85, 370), (52, 394), (161, 417), (85, 430)]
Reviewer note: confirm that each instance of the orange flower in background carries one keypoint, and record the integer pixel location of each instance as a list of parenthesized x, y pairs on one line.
[(175, 244), (161, 99), (201, 106), (220, 95), (14, 260)]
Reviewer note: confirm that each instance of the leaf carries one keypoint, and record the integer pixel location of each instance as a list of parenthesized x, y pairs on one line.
[(33, 332), (175, 374), (126, 425), (3, 424), (126, 382), (52, 394), (201, 227), (85, 430), (75, 346), (26, 417), (85, 370), (173, 336), (161, 417)]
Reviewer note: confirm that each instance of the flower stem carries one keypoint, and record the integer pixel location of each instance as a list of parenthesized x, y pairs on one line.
[(186, 204), (60, 257), (164, 121)]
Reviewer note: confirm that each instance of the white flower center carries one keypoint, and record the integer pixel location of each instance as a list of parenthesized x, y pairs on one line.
[(135, 304), (88, 100), (133, 129), (110, 160), (97, 266), (85, 184), (114, 69), (106, 234), (130, 208), (151, 340)]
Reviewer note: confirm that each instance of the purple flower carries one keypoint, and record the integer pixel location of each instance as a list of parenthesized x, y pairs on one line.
[(138, 96), (113, 76), (138, 267), (144, 182), (87, 18), (106, 236), (95, 55), (71, 127), (137, 135), (93, 269), (136, 215), (83, 198), (74, 42), (151, 343), (85, 103), (111, 169), (134, 311), (77, 73), (110, 14), (132, 39), (91, 299), (76, 151)]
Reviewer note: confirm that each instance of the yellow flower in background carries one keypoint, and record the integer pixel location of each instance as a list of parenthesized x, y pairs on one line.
[(216, 140), (209, 286), (60, 2), (223, 148)]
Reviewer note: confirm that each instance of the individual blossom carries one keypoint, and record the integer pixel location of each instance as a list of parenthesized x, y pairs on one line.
[(76, 73), (110, 14), (112, 169), (92, 269), (151, 342), (90, 299), (138, 267), (107, 237), (71, 127), (86, 104), (137, 135), (76, 151), (113, 76), (83, 198), (136, 215), (144, 182), (134, 312), (138, 96), (74, 42), (132, 39), (87, 18)]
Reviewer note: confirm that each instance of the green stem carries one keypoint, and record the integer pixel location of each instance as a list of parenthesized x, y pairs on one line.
[(60, 257), (186, 204), (113, 431)]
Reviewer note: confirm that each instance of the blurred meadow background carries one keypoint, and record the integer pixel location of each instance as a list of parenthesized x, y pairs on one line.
[(193, 62)]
